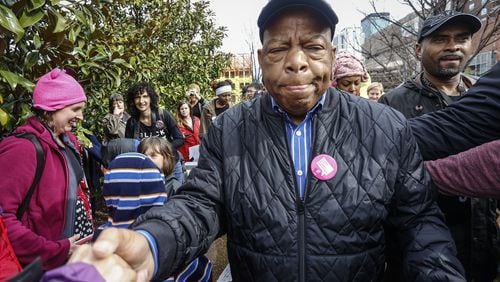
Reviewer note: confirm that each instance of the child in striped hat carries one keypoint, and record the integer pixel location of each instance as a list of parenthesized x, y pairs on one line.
[(132, 185)]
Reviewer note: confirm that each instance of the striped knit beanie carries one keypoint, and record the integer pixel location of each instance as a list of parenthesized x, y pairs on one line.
[(132, 185)]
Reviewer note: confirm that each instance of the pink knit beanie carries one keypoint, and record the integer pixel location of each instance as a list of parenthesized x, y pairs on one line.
[(56, 90), (346, 64)]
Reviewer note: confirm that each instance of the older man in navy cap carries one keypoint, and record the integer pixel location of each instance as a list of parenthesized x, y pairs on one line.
[(304, 179)]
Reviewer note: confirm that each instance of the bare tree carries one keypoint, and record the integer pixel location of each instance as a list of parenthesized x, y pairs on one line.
[(251, 44), (390, 52)]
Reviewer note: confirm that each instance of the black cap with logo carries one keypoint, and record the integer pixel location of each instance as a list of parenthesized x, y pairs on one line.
[(432, 23)]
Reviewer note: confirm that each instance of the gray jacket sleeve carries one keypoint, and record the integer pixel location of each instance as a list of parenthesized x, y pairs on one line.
[(113, 127)]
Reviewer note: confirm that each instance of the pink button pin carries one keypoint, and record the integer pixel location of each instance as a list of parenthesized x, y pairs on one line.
[(324, 167)]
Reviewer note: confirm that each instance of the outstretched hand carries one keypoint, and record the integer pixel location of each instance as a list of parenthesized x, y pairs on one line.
[(119, 249)]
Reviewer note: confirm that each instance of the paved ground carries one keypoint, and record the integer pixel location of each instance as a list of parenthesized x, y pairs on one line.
[(218, 255)]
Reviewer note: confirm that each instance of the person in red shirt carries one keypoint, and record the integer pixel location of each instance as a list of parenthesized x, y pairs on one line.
[(189, 126)]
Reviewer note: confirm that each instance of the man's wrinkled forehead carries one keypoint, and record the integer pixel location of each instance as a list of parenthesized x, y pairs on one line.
[(305, 16)]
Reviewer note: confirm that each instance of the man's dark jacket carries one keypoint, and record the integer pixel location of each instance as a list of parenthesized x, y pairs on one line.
[(245, 186), (413, 99), (472, 222), (471, 121)]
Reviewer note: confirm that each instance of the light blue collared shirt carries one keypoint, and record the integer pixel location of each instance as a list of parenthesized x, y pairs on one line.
[(299, 140)]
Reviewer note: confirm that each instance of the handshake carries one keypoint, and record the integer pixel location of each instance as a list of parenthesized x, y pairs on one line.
[(118, 255)]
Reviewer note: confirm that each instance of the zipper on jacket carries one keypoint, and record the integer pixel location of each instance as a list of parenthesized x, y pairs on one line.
[(302, 240), (301, 214), (301, 211), (300, 204)]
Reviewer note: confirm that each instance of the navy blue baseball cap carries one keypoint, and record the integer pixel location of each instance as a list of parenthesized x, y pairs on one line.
[(433, 23), (273, 7)]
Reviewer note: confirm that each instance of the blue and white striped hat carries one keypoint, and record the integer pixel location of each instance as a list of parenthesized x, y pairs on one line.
[(132, 185)]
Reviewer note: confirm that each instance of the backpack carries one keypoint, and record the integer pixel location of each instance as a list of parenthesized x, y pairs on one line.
[(40, 164), (9, 265)]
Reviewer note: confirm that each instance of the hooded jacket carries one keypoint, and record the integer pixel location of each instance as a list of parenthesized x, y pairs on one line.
[(245, 186), (40, 229)]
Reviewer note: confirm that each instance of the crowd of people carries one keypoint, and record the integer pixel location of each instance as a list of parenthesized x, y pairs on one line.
[(309, 181)]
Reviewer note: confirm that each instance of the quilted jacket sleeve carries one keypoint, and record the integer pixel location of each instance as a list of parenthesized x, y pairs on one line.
[(191, 219), (471, 121), (428, 252), (473, 173)]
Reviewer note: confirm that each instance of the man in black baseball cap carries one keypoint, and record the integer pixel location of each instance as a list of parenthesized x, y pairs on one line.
[(444, 45)]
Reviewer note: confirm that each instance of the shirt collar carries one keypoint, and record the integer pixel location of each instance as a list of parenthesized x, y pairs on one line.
[(318, 107)]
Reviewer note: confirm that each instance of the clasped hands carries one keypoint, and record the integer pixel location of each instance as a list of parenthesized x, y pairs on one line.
[(118, 255)]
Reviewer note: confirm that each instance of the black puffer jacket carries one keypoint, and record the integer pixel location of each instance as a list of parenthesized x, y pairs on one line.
[(245, 185)]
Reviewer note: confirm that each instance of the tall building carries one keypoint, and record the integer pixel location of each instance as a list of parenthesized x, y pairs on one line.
[(373, 23), (488, 12), (349, 39), (389, 52)]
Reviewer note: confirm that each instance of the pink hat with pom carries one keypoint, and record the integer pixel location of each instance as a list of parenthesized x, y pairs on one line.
[(346, 64), (56, 90)]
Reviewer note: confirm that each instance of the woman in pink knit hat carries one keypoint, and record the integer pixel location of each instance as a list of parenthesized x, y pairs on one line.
[(58, 212), (348, 73)]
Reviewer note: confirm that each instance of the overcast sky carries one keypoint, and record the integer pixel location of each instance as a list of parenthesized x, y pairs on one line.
[(240, 17)]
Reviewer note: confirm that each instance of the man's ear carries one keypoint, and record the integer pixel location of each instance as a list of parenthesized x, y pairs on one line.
[(418, 51), (334, 56)]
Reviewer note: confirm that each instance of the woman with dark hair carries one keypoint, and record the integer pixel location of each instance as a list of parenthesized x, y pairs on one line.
[(58, 210), (147, 120), (116, 120), (223, 90), (189, 126)]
